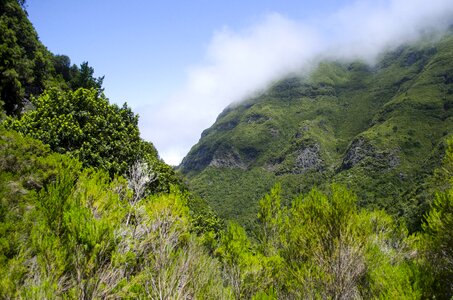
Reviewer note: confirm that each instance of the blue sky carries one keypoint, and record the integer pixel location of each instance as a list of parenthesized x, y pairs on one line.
[(179, 63), (144, 47)]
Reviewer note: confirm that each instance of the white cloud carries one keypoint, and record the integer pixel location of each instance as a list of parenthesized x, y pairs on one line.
[(367, 28), (240, 63)]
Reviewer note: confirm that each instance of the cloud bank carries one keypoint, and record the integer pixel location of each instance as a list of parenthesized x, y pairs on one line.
[(238, 63)]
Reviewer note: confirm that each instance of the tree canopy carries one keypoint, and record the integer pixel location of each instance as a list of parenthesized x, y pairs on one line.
[(84, 124)]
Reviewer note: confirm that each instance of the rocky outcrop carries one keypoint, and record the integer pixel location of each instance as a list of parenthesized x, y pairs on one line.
[(199, 159), (219, 156), (257, 118), (360, 149), (227, 159), (307, 159)]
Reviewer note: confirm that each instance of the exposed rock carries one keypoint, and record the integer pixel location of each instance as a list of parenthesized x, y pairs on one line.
[(358, 150), (361, 149), (257, 118), (307, 159), (273, 165), (199, 158), (32, 184), (393, 160), (227, 159), (225, 126)]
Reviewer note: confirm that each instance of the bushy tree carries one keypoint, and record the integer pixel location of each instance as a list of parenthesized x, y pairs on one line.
[(62, 65), (85, 125), (241, 266), (271, 217), (26, 165), (335, 249), (70, 232), (436, 240), (437, 244), (83, 78), (162, 259)]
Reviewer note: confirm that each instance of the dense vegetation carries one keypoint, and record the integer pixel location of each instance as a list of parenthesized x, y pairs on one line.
[(84, 235), (67, 231), (85, 125), (89, 211), (380, 130), (27, 68)]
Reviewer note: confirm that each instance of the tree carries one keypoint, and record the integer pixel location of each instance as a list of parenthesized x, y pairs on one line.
[(62, 65), (335, 251), (436, 240), (437, 243), (22, 3), (83, 78), (161, 259), (25, 65), (139, 177), (271, 219), (85, 125), (241, 267)]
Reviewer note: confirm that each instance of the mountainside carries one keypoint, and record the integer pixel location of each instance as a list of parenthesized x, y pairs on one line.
[(380, 130)]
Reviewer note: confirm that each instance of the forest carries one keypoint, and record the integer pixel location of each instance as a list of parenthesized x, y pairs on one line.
[(88, 209)]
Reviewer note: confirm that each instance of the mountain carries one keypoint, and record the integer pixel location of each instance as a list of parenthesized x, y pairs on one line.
[(378, 129)]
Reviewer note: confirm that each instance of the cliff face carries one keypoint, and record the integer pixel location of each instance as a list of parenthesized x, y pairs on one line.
[(378, 129)]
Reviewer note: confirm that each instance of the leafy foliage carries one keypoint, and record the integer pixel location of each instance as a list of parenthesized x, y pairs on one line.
[(85, 125), (74, 240), (71, 232), (334, 248), (323, 247), (24, 62), (436, 240)]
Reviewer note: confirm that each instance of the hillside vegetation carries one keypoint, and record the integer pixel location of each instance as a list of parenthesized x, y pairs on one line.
[(88, 210), (380, 130)]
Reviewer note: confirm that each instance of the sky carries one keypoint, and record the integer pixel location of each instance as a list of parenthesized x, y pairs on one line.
[(178, 64)]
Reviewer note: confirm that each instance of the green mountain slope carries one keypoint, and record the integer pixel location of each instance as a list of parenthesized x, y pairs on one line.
[(378, 129)]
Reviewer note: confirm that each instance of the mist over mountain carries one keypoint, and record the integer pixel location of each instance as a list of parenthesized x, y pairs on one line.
[(377, 128), (241, 62)]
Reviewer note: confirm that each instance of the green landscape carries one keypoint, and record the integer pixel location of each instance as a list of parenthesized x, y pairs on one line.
[(331, 184)]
